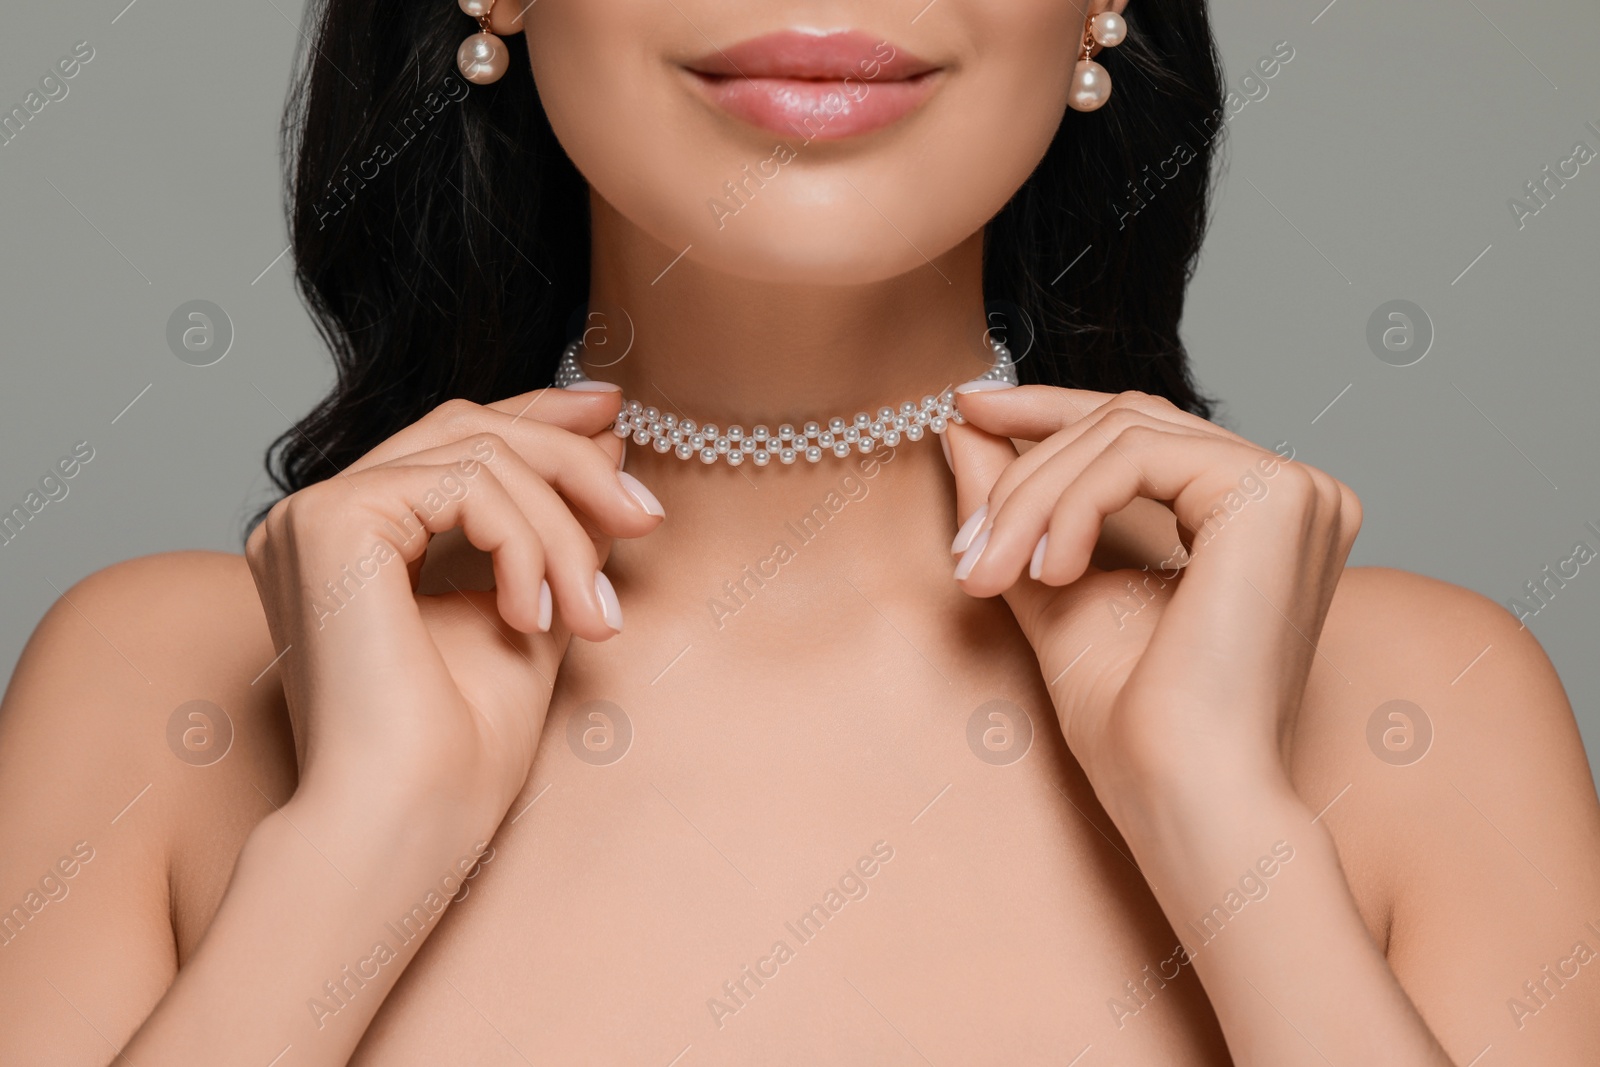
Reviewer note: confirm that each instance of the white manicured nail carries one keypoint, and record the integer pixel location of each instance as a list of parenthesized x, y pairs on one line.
[(1036, 566), (592, 386), (546, 605), (608, 601), (645, 497), (970, 556), (983, 385), (969, 529)]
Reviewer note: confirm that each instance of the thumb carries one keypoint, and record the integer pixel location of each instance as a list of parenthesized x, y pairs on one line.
[(617, 448), (977, 458)]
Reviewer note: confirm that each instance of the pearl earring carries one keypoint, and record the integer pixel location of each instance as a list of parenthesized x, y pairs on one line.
[(1091, 85), (482, 58)]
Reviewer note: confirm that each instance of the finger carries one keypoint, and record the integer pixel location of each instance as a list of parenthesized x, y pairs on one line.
[(1257, 578), (977, 458), (1099, 427), (581, 407), (579, 412), (1025, 533), (401, 509), (1034, 412), (583, 469), (567, 557)]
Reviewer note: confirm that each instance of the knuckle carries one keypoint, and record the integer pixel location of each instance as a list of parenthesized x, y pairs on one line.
[(455, 413), (1138, 433), (486, 445)]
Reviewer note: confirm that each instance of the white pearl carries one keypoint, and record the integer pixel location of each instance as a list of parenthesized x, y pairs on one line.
[(1091, 86), (813, 454), (786, 455), (708, 455), (482, 58), (476, 8), (1108, 28)]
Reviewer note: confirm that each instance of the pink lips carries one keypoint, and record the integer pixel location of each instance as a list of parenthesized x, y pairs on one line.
[(816, 86)]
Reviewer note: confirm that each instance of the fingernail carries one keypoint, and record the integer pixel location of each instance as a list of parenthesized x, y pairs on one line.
[(1036, 567), (608, 601), (592, 386), (970, 556), (546, 606), (969, 529), (645, 497), (983, 385), (944, 445)]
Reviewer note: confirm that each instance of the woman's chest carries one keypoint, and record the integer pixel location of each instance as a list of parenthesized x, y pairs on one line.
[(887, 858)]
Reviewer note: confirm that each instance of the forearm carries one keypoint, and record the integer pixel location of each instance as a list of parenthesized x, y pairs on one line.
[(327, 905), (1255, 892)]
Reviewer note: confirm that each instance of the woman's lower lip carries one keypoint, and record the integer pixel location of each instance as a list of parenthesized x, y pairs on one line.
[(821, 109)]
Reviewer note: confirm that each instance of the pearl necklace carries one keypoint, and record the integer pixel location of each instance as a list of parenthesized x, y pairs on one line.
[(688, 439)]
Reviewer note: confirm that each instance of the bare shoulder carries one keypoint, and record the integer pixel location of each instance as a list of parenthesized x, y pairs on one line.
[(143, 720), (1441, 740)]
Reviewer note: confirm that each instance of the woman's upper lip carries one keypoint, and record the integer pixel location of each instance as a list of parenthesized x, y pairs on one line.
[(821, 56)]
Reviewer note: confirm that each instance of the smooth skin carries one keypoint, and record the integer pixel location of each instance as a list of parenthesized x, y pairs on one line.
[(415, 736)]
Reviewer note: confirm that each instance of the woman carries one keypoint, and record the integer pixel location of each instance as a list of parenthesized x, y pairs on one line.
[(1133, 771)]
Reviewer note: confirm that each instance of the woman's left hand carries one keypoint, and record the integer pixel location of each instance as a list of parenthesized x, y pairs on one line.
[(1161, 679)]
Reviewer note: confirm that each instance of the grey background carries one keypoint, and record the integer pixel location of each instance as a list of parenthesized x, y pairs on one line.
[(1378, 166)]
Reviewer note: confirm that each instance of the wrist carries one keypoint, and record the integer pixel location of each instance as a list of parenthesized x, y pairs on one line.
[(1195, 835), (388, 835), (1174, 786)]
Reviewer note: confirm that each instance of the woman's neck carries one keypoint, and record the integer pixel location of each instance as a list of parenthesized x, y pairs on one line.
[(724, 349)]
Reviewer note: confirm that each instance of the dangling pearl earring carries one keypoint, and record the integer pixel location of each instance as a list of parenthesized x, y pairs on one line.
[(482, 58), (1091, 85)]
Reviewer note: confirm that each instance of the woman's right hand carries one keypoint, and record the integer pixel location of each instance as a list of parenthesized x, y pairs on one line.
[(399, 698)]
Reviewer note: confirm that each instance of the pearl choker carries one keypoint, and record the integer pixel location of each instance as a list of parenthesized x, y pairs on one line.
[(688, 439)]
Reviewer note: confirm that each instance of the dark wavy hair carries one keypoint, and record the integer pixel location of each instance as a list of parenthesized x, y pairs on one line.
[(428, 281)]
